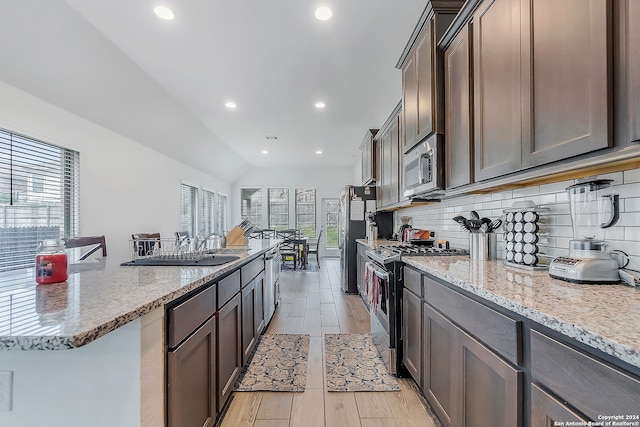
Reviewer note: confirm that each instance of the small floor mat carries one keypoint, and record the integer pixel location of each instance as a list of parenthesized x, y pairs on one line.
[(354, 364), (279, 363)]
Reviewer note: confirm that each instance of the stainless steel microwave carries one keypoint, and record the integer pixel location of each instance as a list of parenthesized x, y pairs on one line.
[(423, 168)]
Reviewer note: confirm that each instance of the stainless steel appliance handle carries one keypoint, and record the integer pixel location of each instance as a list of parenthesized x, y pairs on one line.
[(383, 276)]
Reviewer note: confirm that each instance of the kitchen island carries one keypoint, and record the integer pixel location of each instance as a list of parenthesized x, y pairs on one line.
[(91, 351)]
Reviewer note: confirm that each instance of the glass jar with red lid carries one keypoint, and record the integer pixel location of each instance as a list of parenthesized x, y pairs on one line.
[(51, 262)]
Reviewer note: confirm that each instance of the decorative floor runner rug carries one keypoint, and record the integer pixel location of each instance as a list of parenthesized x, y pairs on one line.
[(354, 364), (279, 363)]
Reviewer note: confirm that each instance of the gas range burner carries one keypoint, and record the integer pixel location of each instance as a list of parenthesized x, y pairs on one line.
[(386, 254), (415, 250)]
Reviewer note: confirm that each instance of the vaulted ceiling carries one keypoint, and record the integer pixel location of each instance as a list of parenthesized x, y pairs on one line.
[(165, 83)]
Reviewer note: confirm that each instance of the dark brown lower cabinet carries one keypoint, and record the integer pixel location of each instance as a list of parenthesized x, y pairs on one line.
[(412, 334), (440, 368), (230, 350), (547, 411), (192, 394), (248, 320), (467, 384), (258, 307)]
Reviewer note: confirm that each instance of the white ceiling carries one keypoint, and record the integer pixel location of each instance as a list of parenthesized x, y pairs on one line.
[(165, 83)]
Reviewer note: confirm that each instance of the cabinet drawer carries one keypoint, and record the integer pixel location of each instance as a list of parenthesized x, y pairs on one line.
[(228, 287), (499, 332), (188, 315), (587, 384), (251, 270), (413, 281)]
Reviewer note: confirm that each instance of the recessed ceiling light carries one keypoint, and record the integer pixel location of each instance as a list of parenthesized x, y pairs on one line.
[(163, 12), (230, 105), (320, 105), (323, 13), (319, 152), (264, 152)]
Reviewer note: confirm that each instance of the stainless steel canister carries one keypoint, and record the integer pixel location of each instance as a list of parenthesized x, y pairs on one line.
[(483, 246)]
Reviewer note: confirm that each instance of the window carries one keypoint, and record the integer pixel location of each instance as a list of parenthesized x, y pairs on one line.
[(208, 212), (188, 208), (38, 197), (278, 199), (332, 223), (221, 221), (251, 208), (306, 211)]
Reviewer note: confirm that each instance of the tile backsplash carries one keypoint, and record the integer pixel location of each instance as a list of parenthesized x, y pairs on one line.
[(625, 235)]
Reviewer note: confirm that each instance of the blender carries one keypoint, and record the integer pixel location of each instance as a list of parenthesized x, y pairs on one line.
[(592, 212)]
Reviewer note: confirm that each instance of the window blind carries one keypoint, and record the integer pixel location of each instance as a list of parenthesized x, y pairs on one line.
[(208, 213), (221, 222), (188, 205), (278, 204), (306, 211), (39, 189)]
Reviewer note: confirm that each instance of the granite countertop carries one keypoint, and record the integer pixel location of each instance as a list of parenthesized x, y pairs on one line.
[(605, 317), (98, 297)]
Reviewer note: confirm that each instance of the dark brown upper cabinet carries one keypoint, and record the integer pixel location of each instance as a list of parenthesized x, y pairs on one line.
[(458, 135), (422, 74), (633, 68), (542, 82), (497, 88), (566, 68), (387, 143), (368, 153)]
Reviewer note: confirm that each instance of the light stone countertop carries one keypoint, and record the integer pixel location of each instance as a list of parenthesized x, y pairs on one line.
[(98, 297), (605, 317)]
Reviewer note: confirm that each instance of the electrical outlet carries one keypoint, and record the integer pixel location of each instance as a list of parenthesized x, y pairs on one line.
[(6, 390)]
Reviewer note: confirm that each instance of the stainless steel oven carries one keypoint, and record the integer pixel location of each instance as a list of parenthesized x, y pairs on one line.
[(385, 297), (424, 168)]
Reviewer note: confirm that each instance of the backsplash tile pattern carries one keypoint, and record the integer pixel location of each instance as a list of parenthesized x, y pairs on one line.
[(625, 235)]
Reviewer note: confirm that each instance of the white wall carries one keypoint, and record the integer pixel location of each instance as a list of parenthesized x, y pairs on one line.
[(326, 181), (125, 187)]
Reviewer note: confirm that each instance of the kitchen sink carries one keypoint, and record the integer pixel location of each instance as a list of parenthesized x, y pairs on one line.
[(207, 261)]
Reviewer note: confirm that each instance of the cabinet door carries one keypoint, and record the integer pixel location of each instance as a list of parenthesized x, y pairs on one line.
[(258, 307), (458, 128), (230, 348), (394, 162), (547, 411), (248, 320), (633, 72), (491, 388), (412, 334), (424, 66), (441, 357), (497, 89), (191, 389), (380, 190), (565, 66), (386, 168), (410, 102)]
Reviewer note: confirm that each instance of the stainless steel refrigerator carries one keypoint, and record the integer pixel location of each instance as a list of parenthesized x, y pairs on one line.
[(355, 202)]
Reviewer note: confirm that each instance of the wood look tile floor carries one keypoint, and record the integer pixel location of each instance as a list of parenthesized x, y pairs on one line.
[(311, 302)]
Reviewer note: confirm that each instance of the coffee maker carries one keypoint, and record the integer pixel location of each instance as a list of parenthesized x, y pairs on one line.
[(404, 233), (592, 212)]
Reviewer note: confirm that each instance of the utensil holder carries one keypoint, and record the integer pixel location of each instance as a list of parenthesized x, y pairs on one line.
[(483, 246)]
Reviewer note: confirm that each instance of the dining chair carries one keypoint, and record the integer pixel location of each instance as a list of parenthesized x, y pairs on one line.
[(268, 234), (312, 248), (144, 243), (182, 237), (98, 243), (289, 252)]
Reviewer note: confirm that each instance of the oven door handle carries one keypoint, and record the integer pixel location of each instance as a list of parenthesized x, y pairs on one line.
[(383, 276)]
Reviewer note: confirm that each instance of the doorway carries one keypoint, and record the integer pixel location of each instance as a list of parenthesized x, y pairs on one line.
[(329, 241)]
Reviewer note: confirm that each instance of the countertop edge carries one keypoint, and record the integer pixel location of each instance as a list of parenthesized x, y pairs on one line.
[(596, 341), (66, 342)]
